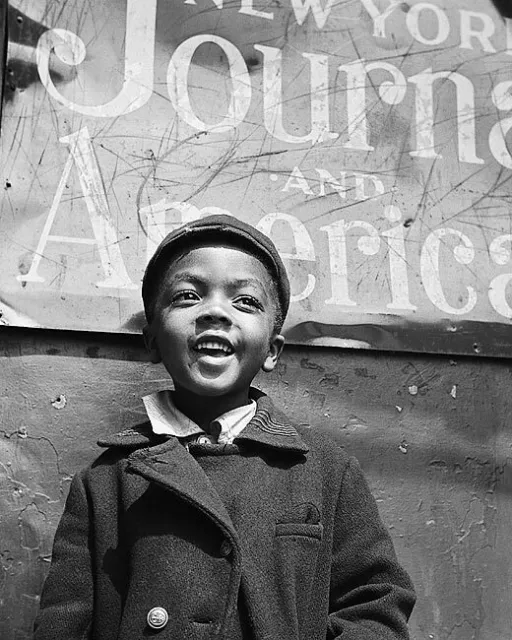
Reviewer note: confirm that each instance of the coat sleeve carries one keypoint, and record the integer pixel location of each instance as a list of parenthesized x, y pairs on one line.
[(67, 600), (371, 595)]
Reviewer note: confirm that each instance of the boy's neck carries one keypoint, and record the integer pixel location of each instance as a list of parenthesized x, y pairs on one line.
[(203, 410)]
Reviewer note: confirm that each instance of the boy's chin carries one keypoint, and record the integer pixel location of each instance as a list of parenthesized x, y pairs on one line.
[(216, 387), (212, 390)]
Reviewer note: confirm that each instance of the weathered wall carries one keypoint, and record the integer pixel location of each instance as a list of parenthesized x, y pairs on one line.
[(432, 433)]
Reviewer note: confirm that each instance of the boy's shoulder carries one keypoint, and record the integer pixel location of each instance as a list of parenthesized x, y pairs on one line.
[(140, 435), (324, 442), (319, 441), (116, 449)]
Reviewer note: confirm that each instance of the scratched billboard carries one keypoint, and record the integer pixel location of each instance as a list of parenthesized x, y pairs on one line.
[(370, 139)]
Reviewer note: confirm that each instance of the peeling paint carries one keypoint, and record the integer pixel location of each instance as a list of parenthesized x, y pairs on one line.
[(330, 380), (59, 402), (403, 447), (306, 363), (355, 423)]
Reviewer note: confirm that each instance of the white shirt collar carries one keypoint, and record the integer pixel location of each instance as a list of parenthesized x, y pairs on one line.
[(167, 419)]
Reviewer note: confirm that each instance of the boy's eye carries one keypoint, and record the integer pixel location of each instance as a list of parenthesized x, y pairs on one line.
[(250, 302), (187, 295)]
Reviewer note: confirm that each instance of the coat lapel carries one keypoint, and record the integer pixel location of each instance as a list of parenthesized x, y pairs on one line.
[(165, 461), (172, 467)]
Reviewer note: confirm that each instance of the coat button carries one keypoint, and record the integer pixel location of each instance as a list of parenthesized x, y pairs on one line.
[(157, 618), (225, 549)]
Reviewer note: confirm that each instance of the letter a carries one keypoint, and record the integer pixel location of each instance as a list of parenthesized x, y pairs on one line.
[(105, 237)]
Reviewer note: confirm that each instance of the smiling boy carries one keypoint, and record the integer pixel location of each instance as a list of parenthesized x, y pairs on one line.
[(213, 325), (219, 518)]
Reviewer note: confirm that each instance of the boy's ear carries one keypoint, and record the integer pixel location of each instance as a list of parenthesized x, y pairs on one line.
[(151, 345), (275, 350)]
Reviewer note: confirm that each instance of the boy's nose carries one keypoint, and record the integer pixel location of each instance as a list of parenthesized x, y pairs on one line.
[(214, 314)]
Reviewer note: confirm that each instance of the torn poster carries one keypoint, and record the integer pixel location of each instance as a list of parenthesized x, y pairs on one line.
[(369, 138)]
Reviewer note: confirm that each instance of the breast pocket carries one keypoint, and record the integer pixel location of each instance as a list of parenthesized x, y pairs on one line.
[(299, 529), (297, 540)]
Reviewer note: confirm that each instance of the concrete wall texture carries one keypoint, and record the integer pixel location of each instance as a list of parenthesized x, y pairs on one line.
[(432, 433)]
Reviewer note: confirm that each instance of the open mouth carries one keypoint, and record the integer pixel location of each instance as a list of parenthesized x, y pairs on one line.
[(214, 347)]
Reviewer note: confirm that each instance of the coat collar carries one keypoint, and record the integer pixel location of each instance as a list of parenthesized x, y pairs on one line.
[(269, 427)]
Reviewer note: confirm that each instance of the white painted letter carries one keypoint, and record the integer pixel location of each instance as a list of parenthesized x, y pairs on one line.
[(106, 240), (273, 97), (502, 98), (498, 286), (378, 17), (177, 83), (139, 43), (300, 182), (467, 31), (337, 236), (443, 24), (157, 227), (430, 273), (425, 146), (325, 176), (508, 28), (361, 181), (304, 248), (399, 278), (301, 9), (247, 8), (357, 78), (218, 3)]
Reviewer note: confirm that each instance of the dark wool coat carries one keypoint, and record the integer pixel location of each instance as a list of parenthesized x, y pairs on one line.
[(302, 554)]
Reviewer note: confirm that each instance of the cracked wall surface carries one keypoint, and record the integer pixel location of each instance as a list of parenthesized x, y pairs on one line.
[(438, 461)]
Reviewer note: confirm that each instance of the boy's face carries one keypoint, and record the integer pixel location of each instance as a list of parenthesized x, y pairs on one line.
[(213, 323)]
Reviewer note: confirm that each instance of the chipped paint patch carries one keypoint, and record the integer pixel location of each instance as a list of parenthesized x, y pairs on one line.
[(354, 423), (59, 402), (403, 447)]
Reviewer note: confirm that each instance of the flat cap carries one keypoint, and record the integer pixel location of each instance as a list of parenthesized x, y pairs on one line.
[(216, 228)]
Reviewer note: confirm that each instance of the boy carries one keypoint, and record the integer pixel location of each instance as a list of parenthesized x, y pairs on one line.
[(219, 518)]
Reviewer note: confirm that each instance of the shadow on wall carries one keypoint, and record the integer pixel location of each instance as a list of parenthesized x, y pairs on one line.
[(21, 68)]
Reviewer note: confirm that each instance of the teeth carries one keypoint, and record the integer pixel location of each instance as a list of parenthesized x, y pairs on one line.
[(218, 346)]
